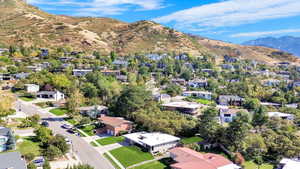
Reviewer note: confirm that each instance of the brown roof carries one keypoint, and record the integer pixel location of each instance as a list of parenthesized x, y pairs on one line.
[(113, 121), (189, 159)]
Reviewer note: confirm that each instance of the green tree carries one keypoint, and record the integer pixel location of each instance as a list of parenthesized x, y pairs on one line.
[(75, 100), (81, 166), (52, 152), (237, 131), (209, 125), (43, 134), (31, 166), (173, 90), (132, 98), (46, 165), (259, 117), (60, 142)]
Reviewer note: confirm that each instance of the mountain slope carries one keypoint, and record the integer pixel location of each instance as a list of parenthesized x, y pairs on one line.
[(286, 43), (23, 24)]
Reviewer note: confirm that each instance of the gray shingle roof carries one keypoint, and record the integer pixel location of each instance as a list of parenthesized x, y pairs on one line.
[(12, 160)]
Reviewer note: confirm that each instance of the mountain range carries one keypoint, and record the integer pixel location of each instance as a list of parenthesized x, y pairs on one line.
[(286, 43), (25, 25)]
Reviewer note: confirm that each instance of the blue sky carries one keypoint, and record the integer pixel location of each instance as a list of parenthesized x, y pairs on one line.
[(228, 20)]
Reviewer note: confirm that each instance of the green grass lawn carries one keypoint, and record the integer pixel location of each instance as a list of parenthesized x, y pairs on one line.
[(43, 104), (59, 111), (29, 146), (111, 161), (110, 140), (88, 129), (26, 99), (203, 101), (71, 121), (131, 155), (152, 165), (191, 140), (252, 165)]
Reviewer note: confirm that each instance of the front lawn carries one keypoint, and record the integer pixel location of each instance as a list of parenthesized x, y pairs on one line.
[(59, 111), (110, 140), (71, 121), (131, 155), (27, 99), (29, 146), (152, 165), (111, 161), (252, 165), (88, 129), (191, 140)]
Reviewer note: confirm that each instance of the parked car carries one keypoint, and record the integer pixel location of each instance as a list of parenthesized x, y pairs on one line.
[(68, 141), (67, 126), (45, 124), (39, 161)]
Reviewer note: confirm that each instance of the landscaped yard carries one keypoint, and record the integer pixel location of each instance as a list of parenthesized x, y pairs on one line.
[(59, 111), (152, 165), (131, 155), (252, 165), (203, 101), (27, 99), (111, 161), (88, 129), (44, 104), (71, 121), (110, 140), (191, 140), (29, 146)]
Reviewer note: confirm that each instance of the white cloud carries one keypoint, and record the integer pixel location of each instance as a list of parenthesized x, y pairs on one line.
[(266, 33), (100, 7), (231, 13)]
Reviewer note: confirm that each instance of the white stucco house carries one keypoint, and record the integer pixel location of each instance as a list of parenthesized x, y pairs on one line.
[(32, 88), (56, 95), (153, 142), (284, 116)]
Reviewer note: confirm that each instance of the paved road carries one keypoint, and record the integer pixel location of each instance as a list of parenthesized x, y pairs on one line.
[(86, 153)]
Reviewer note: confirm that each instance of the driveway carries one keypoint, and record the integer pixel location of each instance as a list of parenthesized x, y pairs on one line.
[(86, 153)]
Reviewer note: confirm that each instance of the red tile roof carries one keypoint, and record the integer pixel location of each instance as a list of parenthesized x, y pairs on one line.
[(114, 121), (190, 159)]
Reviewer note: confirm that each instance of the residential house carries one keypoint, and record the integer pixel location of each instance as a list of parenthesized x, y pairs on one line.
[(111, 72), (198, 94), (6, 139), (198, 83), (65, 59), (22, 75), (230, 100), (179, 81), (183, 107), (269, 104), (271, 82), (229, 59), (34, 68), (164, 98), (81, 72), (296, 84), (181, 57), (2, 50), (122, 78), (227, 115), (120, 63), (189, 159), (6, 77), (12, 160), (287, 163), (114, 125), (227, 67), (154, 57), (56, 95), (32, 88), (154, 143), (283, 65), (44, 52), (284, 116), (93, 111)]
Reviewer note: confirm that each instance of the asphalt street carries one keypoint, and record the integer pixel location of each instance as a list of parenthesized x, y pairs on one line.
[(86, 153)]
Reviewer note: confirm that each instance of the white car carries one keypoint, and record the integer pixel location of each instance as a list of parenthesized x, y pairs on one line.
[(68, 141)]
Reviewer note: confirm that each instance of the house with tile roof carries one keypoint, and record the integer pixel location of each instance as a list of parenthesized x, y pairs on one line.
[(114, 125), (189, 159)]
